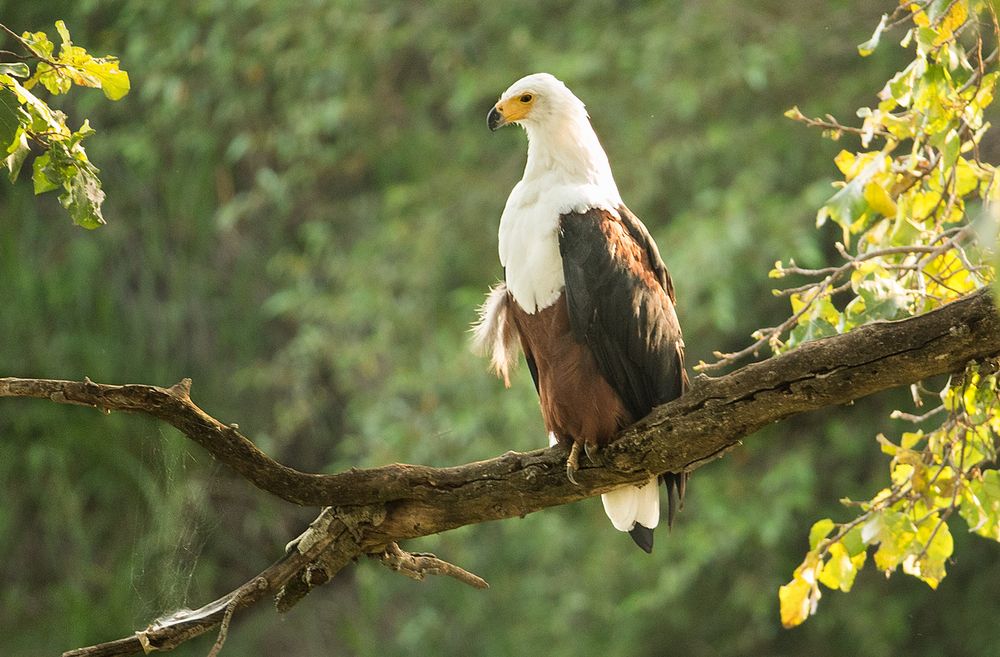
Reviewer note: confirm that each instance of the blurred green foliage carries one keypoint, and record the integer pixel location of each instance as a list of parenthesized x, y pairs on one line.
[(302, 210)]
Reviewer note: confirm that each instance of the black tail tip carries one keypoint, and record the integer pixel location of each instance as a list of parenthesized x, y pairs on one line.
[(643, 537)]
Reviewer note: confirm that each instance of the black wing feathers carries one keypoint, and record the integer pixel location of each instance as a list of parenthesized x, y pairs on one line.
[(623, 308), (532, 367)]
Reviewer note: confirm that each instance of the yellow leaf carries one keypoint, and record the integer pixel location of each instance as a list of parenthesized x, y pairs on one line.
[(887, 446), (798, 598), (845, 162), (924, 204), (929, 564), (901, 473), (820, 530), (63, 33), (950, 277), (951, 21), (794, 113), (114, 82), (895, 535), (911, 438), (841, 569), (968, 177), (794, 602), (879, 199)]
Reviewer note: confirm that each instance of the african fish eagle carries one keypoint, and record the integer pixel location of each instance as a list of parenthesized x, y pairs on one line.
[(585, 294)]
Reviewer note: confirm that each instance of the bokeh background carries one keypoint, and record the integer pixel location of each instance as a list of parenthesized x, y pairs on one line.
[(302, 209)]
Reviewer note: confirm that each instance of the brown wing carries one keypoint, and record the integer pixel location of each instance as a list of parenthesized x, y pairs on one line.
[(621, 304)]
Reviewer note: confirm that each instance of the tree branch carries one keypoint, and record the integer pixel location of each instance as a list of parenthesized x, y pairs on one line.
[(417, 565), (408, 501)]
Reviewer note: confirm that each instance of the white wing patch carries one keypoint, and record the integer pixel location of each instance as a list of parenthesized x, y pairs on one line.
[(629, 505), (529, 235)]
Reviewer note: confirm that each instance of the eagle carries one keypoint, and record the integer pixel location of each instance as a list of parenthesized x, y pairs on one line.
[(585, 295)]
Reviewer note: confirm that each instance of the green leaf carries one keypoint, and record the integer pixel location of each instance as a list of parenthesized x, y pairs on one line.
[(17, 69), (44, 118), (845, 206), (17, 156), (981, 505), (83, 198), (895, 533), (853, 543), (38, 176), (10, 112)]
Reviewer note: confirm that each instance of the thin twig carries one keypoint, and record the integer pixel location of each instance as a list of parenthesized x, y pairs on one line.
[(916, 419), (258, 583), (417, 565), (831, 123)]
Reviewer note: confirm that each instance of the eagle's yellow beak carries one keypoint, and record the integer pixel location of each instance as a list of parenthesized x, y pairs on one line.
[(509, 111)]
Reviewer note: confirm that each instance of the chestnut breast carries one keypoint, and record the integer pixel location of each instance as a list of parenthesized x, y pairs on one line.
[(577, 402)]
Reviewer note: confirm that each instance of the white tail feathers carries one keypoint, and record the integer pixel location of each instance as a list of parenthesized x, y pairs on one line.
[(629, 505), (495, 335)]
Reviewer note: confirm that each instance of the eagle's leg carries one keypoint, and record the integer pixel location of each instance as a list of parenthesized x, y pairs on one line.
[(573, 462)]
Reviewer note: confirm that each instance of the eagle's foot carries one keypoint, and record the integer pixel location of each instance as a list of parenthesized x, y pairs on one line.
[(573, 463), (593, 455)]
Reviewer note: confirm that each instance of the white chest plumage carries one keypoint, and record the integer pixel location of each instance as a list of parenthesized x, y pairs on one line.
[(529, 249), (529, 234)]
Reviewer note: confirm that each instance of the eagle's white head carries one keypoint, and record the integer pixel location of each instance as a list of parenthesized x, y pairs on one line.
[(537, 102), (562, 145)]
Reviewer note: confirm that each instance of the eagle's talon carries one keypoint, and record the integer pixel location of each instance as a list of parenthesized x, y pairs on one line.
[(573, 463), (592, 454)]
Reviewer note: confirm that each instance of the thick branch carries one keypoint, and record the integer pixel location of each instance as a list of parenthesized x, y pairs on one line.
[(678, 436), (412, 501)]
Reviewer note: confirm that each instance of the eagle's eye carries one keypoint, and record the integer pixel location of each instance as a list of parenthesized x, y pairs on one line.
[(526, 98)]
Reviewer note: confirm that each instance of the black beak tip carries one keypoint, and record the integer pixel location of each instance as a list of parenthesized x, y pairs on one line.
[(493, 119)]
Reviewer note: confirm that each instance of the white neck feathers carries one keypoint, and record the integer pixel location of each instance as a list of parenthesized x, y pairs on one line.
[(567, 172), (569, 149)]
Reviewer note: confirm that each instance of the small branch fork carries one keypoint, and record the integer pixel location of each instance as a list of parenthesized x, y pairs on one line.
[(379, 507)]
